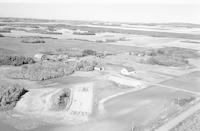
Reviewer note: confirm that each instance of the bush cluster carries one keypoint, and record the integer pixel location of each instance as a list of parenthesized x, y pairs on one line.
[(168, 56), (53, 69), (10, 95), (88, 52), (33, 40), (73, 52), (183, 101), (167, 61), (87, 63), (168, 51), (61, 99), (43, 71), (15, 60)]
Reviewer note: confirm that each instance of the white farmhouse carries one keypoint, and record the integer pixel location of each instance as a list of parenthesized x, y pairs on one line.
[(123, 80), (40, 56), (98, 68), (128, 71)]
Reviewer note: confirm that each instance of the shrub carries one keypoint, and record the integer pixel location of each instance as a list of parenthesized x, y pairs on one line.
[(10, 94), (52, 29), (61, 99), (183, 101), (15, 60), (87, 52), (74, 52), (1, 35)]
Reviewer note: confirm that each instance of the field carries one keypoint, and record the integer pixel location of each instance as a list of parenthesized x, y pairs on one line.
[(68, 67), (185, 82), (15, 44), (160, 100)]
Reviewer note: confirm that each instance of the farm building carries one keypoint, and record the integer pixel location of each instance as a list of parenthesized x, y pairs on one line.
[(128, 71), (40, 56), (122, 80), (98, 68)]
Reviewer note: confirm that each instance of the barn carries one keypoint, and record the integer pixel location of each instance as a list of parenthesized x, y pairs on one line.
[(128, 71), (40, 57)]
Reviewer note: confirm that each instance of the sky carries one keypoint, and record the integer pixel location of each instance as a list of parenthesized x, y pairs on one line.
[(187, 11)]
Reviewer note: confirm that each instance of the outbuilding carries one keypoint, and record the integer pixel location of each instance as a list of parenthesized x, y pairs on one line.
[(128, 71), (98, 68), (40, 56)]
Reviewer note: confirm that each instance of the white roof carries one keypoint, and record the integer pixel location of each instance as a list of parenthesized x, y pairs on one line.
[(39, 55), (129, 69)]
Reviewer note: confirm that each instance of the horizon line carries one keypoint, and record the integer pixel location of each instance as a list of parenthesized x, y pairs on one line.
[(55, 19)]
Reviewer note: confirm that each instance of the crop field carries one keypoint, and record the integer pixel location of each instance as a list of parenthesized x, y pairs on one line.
[(160, 100), (189, 82), (16, 45)]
